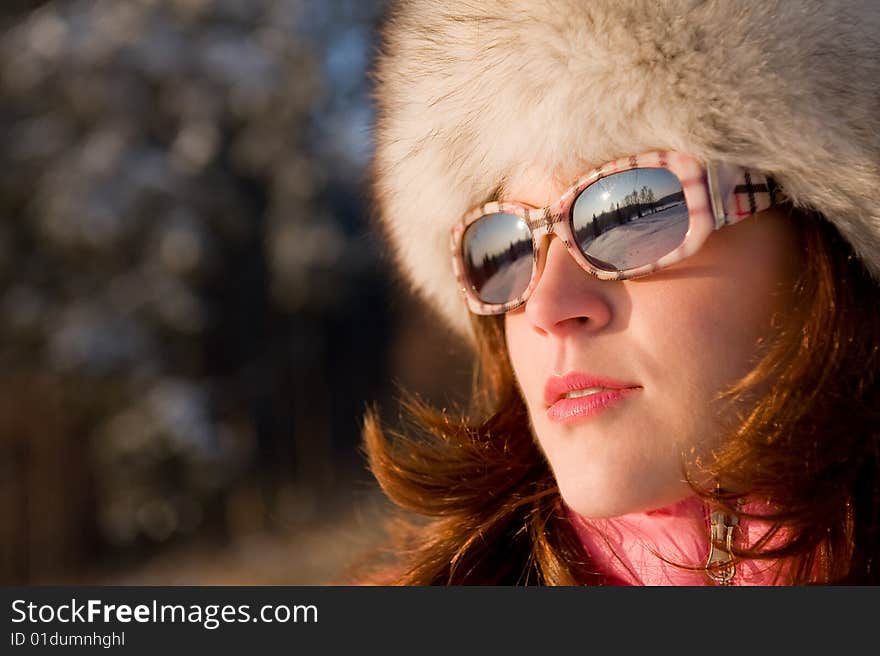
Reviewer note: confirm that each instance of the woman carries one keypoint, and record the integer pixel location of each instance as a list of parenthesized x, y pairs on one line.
[(665, 232)]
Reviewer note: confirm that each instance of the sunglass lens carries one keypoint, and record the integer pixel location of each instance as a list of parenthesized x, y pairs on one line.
[(629, 219), (498, 255)]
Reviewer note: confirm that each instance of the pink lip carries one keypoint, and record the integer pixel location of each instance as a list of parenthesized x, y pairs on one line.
[(567, 410)]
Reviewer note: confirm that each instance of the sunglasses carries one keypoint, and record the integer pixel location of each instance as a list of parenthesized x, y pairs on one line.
[(626, 219)]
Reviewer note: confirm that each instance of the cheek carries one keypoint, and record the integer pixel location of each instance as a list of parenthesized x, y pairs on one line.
[(705, 326), (523, 347), (689, 326), (679, 352), (700, 333), (697, 336)]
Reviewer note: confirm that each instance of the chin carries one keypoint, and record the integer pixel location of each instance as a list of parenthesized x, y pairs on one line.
[(613, 499)]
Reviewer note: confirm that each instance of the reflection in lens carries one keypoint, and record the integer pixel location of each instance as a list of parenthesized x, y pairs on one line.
[(498, 257), (630, 219)]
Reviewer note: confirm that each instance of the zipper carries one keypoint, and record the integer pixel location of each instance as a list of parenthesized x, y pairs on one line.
[(720, 564)]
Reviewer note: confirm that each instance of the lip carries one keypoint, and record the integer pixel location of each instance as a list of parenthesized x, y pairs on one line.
[(566, 411), (557, 386)]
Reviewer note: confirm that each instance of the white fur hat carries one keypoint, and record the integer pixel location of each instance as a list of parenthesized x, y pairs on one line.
[(470, 93)]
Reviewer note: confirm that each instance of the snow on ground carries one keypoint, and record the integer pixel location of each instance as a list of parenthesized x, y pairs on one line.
[(643, 240)]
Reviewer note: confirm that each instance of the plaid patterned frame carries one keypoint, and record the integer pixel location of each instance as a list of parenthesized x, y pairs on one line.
[(716, 195)]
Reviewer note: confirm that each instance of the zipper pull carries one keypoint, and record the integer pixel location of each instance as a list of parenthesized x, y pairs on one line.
[(722, 526)]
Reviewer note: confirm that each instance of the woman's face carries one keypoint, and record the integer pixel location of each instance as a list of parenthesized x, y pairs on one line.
[(679, 336)]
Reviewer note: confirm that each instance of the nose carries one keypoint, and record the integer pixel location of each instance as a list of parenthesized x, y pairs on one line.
[(567, 298)]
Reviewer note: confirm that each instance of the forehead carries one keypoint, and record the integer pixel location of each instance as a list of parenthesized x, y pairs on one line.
[(537, 184)]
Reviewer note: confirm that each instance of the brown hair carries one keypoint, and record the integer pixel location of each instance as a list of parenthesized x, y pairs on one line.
[(480, 504)]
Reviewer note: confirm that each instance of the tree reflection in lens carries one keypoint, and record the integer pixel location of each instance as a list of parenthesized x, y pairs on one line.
[(629, 219), (498, 257)]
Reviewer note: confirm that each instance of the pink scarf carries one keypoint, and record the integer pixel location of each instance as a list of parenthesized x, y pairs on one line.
[(630, 550)]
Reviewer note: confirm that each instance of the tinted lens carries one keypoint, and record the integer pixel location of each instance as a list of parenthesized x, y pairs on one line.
[(498, 257), (629, 219)]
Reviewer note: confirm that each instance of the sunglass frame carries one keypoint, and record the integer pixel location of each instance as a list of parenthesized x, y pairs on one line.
[(716, 194)]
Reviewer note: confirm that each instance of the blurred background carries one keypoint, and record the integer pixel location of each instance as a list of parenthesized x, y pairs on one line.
[(194, 310)]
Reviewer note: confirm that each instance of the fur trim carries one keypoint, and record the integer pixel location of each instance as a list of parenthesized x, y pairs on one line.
[(468, 93)]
